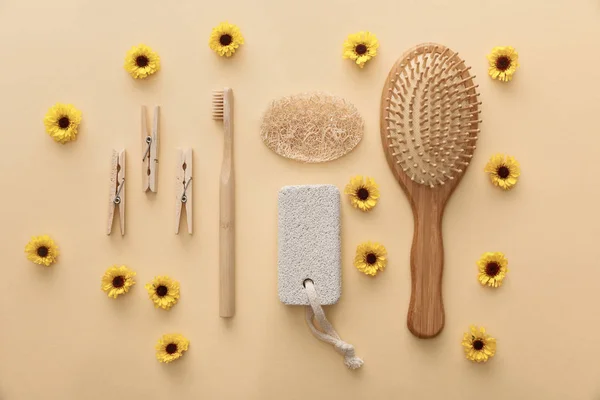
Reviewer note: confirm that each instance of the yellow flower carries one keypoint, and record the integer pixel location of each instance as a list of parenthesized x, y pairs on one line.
[(370, 258), (363, 195), (492, 269), (504, 61), (42, 250), (141, 61), (478, 345), (62, 121), (225, 39), (170, 347), (163, 291), (504, 171), (361, 47), (117, 280)]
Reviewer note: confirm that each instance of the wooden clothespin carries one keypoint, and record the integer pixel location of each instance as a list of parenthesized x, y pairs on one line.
[(150, 149), (117, 190), (183, 188)]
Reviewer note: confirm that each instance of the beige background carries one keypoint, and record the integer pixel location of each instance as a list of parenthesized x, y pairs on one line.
[(62, 338)]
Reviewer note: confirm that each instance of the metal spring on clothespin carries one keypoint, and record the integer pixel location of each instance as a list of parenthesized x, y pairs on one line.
[(183, 180), (150, 141), (184, 197), (117, 199), (147, 153), (117, 190)]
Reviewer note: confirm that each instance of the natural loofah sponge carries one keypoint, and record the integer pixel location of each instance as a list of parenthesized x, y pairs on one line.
[(312, 127)]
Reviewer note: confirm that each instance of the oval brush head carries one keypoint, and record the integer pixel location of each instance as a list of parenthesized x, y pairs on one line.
[(430, 112), (429, 126)]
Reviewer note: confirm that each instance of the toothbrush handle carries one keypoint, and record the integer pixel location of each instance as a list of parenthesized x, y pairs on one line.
[(227, 217)]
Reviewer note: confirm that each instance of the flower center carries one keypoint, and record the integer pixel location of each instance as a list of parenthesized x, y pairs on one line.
[(478, 344), (362, 194), (42, 251), (371, 258), (141, 61), (225, 39), (492, 269), (502, 63), (162, 291), (503, 172), (360, 49), (171, 348), (64, 122), (118, 281)]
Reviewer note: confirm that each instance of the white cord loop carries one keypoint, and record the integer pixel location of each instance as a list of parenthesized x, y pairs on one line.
[(314, 311)]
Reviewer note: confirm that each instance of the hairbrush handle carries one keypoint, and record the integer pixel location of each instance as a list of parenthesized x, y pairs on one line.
[(426, 310)]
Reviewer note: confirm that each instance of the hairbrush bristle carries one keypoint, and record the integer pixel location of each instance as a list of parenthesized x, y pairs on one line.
[(218, 97), (431, 115)]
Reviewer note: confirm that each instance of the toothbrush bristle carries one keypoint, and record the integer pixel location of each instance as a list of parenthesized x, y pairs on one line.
[(217, 104)]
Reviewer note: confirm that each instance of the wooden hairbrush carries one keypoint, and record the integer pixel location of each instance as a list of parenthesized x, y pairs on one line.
[(429, 126)]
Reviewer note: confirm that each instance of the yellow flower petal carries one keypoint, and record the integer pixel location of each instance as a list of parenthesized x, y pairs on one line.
[(478, 345), (117, 280), (163, 291), (503, 62), (360, 47), (171, 347), (363, 193), (493, 268), (62, 122), (141, 62), (504, 171), (370, 258), (225, 39), (42, 250)]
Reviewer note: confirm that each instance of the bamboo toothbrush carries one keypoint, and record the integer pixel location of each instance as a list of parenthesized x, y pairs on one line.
[(222, 110)]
